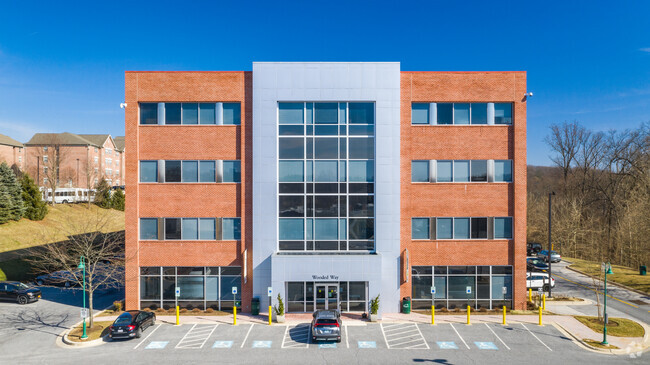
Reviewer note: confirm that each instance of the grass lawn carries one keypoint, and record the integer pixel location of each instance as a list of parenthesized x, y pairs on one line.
[(25, 233), (100, 328), (622, 275), (599, 345), (619, 327)]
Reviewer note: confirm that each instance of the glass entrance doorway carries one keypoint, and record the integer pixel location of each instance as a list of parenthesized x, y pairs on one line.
[(327, 296)]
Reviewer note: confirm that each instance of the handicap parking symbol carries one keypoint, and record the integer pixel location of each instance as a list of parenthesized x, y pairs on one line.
[(367, 344), (447, 345), (222, 345), (486, 345), (156, 345), (327, 346), (262, 344)]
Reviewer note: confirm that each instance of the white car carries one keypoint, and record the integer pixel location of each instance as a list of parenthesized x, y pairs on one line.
[(535, 280)]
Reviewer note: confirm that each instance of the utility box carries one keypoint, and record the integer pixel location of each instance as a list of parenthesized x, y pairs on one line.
[(255, 306), (406, 305), (643, 270)]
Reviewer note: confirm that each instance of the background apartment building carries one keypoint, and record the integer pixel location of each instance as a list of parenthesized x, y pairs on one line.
[(75, 160), (330, 183), (11, 151)]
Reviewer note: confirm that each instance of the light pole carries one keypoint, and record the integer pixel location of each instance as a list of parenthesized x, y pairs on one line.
[(608, 270), (550, 195), (77, 172), (82, 266)]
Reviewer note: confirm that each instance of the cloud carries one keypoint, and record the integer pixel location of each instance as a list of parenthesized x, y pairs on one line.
[(647, 49), (20, 131)]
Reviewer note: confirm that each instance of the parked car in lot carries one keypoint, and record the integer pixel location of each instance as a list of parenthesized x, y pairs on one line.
[(532, 248), (535, 264), (14, 291), (536, 280), (326, 325), (555, 257), (130, 324), (59, 278)]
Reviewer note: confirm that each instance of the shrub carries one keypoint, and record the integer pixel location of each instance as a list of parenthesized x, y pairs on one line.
[(374, 305), (117, 200), (117, 306), (103, 194), (14, 208), (209, 310), (279, 309), (184, 310), (35, 207), (161, 310), (444, 309), (196, 310)]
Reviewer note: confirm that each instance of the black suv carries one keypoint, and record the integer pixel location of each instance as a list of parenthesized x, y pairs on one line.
[(532, 248), (14, 291), (326, 325)]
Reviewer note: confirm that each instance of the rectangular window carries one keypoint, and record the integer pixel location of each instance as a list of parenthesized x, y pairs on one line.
[(502, 113), (190, 229), (422, 287), (148, 113), (325, 171), (208, 171), (291, 171), (361, 205), (361, 148), (207, 228), (461, 228), (362, 229), (419, 171), (444, 171), (445, 113), (362, 171), (291, 229), (232, 171), (232, 113), (207, 113), (461, 171), (461, 113), (148, 228), (361, 113), (420, 113), (190, 171), (172, 113), (290, 113), (326, 229), (148, 171), (172, 228), (325, 113), (503, 227), (479, 113), (479, 170), (150, 287), (420, 228), (479, 228), (444, 228), (231, 229), (291, 148), (173, 171), (503, 170), (190, 113), (291, 205)]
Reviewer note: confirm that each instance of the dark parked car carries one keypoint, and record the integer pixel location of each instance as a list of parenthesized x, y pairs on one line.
[(20, 293), (131, 324), (535, 264), (555, 257), (59, 278), (326, 325), (532, 248)]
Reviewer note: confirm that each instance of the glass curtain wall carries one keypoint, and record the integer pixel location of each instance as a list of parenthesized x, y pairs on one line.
[(326, 178), (352, 296)]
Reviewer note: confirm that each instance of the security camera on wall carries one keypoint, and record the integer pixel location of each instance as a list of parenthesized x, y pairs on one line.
[(122, 105)]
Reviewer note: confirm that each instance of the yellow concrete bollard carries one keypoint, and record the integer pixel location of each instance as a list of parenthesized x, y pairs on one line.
[(540, 316), (178, 320), (544, 301), (270, 316), (234, 315), (530, 294), (433, 315), (504, 315), (468, 310)]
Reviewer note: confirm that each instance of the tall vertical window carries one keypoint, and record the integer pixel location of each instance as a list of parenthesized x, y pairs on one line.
[(232, 113), (148, 113), (148, 171), (148, 228), (503, 113), (231, 229), (420, 113), (231, 171), (503, 170), (420, 228), (419, 171), (326, 173)]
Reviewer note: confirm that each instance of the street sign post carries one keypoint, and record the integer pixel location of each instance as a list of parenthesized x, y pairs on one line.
[(433, 290), (504, 290), (270, 291), (84, 313), (178, 292), (468, 290)]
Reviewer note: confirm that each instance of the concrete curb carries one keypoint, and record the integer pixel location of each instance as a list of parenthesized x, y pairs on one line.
[(63, 341), (609, 282), (569, 303), (643, 347)]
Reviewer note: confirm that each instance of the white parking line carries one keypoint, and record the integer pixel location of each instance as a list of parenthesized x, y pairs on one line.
[(188, 332), (454, 328), (423, 339), (504, 344), (347, 343), (384, 334), (196, 337), (247, 333), (141, 342), (404, 336), (536, 337), (296, 337)]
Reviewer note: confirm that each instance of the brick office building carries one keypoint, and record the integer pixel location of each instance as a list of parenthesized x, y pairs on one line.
[(330, 183), (11, 151)]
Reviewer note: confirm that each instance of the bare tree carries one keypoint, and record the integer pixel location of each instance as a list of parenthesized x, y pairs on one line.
[(102, 253), (564, 140), (91, 173), (51, 157)]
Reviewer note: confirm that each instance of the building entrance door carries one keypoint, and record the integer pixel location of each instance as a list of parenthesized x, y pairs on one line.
[(327, 296)]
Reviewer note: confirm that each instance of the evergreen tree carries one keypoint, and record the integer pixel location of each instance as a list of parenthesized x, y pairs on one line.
[(103, 194), (117, 201), (12, 187), (36, 208), (5, 205)]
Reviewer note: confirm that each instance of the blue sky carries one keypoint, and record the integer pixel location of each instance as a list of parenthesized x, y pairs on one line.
[(62, 63)]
